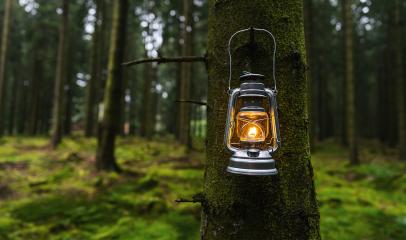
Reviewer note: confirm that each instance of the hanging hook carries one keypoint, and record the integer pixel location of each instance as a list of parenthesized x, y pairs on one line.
[(252, 39)]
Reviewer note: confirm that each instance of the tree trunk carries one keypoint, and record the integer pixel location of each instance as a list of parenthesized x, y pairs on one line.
[(3, 56), (185, 75), (313, 111), (13, 101), (91, 90), (105, 159), (400, 82), (57, 113), (37, 74), (273, 207), (351, 128), (145, 130)]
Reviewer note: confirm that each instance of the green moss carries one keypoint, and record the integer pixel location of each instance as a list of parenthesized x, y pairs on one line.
[(60, 197)]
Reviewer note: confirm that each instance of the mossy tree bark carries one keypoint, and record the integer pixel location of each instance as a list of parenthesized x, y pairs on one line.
[(3, 57), (312, 81), (57, 113), (105, 159), (95, 74), (185, 75), (400, 82), (351, 126), (271, 207)]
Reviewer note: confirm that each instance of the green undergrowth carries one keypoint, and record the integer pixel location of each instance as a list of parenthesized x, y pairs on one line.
[(360, 202), (46, 194)]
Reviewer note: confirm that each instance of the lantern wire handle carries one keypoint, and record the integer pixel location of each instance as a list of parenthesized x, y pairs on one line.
[(230, 58)]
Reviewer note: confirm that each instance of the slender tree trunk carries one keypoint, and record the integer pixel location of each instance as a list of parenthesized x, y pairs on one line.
[(351, 128), (91, 101), (273, 207), (186, 72), (400, 82), (13, 102), (105, 159), (57, 113), (33, 116), (3, 56), (68, 92), (132, 111), (146, 120)]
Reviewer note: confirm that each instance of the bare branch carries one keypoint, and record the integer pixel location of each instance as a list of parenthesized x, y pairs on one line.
[(166, 60), (192, 102)]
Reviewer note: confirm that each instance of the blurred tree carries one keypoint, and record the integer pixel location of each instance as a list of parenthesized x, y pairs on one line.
[(243, 207), (95, 72), (146, 121), (105, 159), (57, 115), (400, 81), (186, 74), (351, 126), (3, 58)]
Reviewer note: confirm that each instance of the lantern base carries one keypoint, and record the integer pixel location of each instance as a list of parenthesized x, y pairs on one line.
[(261, 165)]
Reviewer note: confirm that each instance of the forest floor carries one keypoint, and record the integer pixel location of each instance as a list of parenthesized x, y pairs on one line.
[(47, 194)]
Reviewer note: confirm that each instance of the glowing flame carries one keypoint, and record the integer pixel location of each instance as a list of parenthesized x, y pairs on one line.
[(252, 132)]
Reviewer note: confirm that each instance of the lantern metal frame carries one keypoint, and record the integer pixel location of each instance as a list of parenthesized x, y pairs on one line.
[(253, 161)]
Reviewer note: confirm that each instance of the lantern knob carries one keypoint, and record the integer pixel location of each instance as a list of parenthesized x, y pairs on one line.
[(247, 76)]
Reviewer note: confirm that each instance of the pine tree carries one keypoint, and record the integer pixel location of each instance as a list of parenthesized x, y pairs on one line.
[(3, 57), (400, 82), (185, 74), (351, 126), (105, 159), (91, 90), (57, 113)]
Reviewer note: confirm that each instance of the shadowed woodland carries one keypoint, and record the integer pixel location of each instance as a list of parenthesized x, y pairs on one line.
[(113, 119)]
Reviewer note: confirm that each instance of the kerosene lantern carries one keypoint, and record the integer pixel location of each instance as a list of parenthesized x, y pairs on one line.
[(252, 127)]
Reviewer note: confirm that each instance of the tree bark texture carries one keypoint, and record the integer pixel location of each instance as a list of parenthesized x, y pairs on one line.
[(351, 128), (57, 113), (312, 81), (247, 207), (3, 57), (105, 159)]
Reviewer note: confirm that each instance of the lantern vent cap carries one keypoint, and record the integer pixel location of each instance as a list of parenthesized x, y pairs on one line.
[(247, 76)]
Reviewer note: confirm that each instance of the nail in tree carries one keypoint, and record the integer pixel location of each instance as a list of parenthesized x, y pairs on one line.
[(259, 207), (113, 91)]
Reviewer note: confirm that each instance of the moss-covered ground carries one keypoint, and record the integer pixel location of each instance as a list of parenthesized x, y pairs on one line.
[(47, 194)]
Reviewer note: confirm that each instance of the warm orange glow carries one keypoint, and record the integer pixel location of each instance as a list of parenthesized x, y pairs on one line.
[(252, 126), (252, 132)]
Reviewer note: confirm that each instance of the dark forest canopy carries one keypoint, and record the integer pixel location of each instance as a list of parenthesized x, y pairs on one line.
[(155, 28)]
